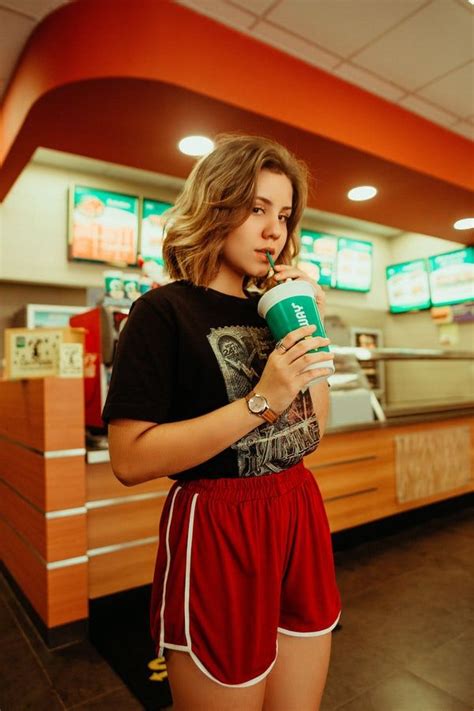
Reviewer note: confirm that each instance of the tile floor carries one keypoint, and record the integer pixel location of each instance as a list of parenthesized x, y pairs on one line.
[(406, 643)]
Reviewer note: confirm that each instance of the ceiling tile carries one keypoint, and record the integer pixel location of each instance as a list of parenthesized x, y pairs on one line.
[(464, 128), (221, 12), (14, 31), (341, 26), (286, 42), (257, 7), (36, 8), (454, 92), (368, 81), (431, 43), (419, 106)]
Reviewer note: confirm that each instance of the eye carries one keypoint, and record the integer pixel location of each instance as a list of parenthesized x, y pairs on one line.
[(257, 210), (284, 218)]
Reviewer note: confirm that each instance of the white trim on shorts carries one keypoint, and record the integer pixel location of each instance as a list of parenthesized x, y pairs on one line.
[(187, 585), (165, 581), (310, 634)]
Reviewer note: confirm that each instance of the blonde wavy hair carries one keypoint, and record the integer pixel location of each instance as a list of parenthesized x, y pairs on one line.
[(218, 196)]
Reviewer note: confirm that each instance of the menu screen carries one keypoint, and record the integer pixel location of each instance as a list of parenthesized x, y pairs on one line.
[(103, 226), (354, 264), (452, 277), (408, 286), (318, 256), (153, 218)]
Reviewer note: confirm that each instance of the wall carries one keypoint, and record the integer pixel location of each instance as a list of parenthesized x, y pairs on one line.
[(35, 219), (33, 250)]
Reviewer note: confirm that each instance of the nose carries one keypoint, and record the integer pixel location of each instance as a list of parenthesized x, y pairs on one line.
[(273, 228)]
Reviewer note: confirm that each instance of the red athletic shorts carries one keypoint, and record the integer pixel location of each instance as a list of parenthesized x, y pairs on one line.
[(240, 560)]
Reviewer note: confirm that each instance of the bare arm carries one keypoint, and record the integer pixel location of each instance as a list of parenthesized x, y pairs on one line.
[(320, 397), (140, 451)]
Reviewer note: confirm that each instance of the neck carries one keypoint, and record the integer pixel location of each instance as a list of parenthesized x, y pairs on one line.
[(232, 285)]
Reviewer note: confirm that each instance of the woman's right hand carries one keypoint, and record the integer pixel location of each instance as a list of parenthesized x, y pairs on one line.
[(283, 377)]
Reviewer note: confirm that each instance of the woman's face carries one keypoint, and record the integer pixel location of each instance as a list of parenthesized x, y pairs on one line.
[(265, 229)]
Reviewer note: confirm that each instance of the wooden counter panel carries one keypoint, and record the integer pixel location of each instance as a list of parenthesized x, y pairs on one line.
[(66, 537), (58, 596), (49, 484), (67, 595), (53, 539), (121, 523), (350, 446), (349, 478), (359, 508), (65, 484), (43, 413), (64, 414), (429, 426), (30, 523), (121, 570), (102, 484), (25, 471), (26, 568), (22, 411)]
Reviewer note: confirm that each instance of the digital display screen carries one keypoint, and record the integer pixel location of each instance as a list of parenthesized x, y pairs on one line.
[(318, 256), (152, 229), (408, 286), (452, 277), (103, 226), (354, 264)]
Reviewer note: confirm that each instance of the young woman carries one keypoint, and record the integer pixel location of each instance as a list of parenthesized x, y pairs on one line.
[(244, 596)]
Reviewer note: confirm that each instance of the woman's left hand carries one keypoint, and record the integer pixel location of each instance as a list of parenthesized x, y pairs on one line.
[(286, 271)]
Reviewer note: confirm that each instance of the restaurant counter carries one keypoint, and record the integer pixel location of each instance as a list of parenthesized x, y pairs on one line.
[(71, 532)]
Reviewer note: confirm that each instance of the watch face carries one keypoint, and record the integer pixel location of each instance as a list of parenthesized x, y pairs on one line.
[(258, 404)]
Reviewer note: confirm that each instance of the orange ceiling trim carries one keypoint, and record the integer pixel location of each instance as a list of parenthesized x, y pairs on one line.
[(161, 41)]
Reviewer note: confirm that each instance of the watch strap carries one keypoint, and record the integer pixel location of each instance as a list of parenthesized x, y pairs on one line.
[(268, 414)]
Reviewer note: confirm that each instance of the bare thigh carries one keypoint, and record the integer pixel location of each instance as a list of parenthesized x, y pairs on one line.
[(192, 690), (296, 682)]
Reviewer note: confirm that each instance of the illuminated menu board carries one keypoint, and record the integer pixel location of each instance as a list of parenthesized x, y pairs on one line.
[(354, 264), (153, 219), (103, 226), (408, 286), (318, 256), (452, 277)]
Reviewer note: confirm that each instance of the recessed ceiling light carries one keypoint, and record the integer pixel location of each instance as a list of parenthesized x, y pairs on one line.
[(362, 192), (195, 145), (467, 223)]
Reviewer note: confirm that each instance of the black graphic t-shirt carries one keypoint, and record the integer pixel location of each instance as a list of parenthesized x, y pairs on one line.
[(186, 351)]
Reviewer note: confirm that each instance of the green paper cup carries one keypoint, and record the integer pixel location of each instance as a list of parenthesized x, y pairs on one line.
[(113, 284), (131, 285), (289, 306)]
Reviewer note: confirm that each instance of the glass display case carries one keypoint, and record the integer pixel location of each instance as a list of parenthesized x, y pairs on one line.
[(354, 401)]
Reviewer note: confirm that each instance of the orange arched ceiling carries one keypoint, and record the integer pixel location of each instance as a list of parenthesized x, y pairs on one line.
[(123, 81)]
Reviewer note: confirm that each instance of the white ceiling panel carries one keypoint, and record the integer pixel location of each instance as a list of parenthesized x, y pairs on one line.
[(432, 113), (464, 128), (454, 92), (342, 26), (287, 42), (14, 31), (227, 14), (415, 53), (257, 7), (422, 48), (368, 81), (34, 8)]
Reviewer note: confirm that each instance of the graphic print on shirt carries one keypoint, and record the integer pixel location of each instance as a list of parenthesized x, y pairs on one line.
[(241, 352)]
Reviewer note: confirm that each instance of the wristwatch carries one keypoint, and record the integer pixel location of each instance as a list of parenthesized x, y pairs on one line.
[(258, 405)]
